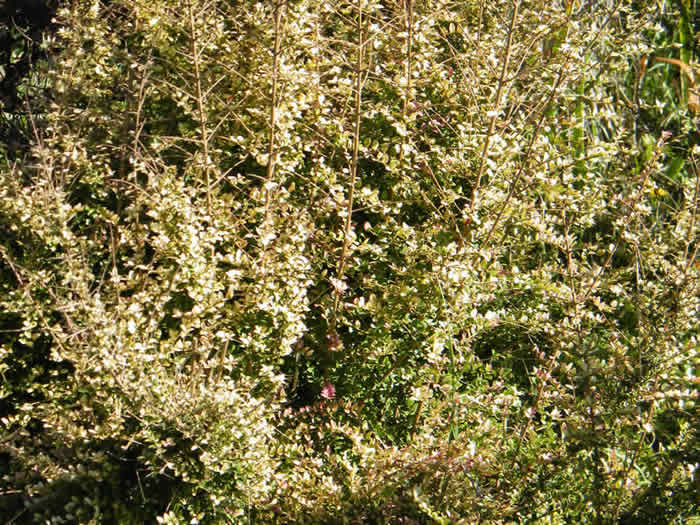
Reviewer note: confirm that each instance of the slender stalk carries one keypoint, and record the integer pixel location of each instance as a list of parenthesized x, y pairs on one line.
[(497, 103), (633, 459), (521, 169), (355, 145), (318, 136), (691, 229), (416, 418), (453, 402), (196, 58), (569, 264), (481, 21), (271, 148), (408, 26), (632, 204), (533, 409)]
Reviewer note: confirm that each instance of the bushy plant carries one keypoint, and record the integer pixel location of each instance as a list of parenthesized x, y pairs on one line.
[(326, 262)]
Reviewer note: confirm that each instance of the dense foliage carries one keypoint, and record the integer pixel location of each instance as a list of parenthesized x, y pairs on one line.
[(350, 262)]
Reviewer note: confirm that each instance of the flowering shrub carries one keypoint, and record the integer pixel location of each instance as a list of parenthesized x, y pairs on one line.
[(326, 262)]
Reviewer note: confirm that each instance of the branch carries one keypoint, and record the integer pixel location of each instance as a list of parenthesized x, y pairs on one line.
[(497, 104)]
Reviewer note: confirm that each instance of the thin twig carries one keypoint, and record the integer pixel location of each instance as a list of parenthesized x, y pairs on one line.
[(524, 162), (271, 148), (355, 147), (408, 24), (497, 103), (200, 104)]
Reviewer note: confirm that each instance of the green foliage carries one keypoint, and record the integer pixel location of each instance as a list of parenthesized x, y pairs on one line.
[(326, 262)]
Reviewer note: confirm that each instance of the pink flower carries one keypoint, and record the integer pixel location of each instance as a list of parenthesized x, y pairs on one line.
[(328, 390)]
